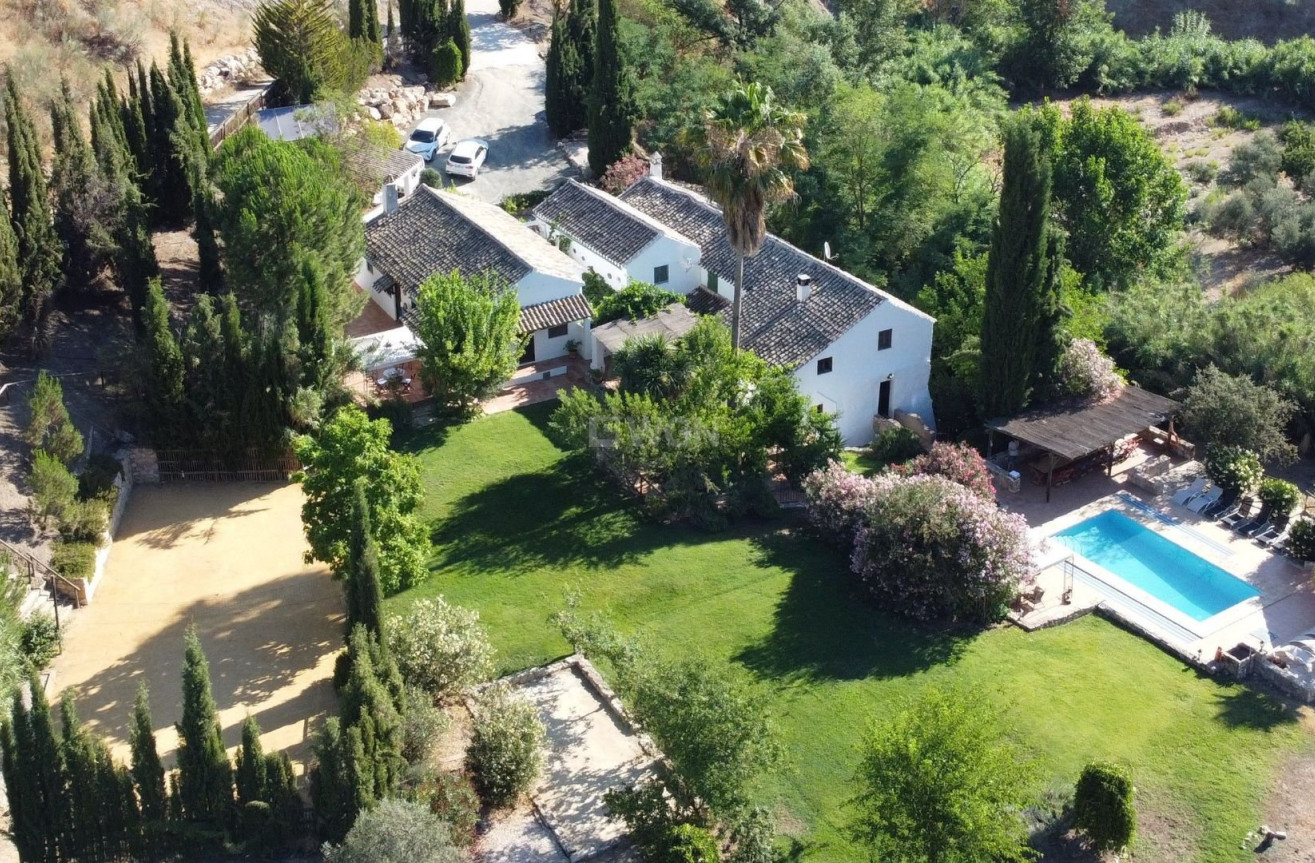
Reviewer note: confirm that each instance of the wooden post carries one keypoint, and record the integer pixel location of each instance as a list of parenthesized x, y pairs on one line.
[(1109, 468), (1050, 476)]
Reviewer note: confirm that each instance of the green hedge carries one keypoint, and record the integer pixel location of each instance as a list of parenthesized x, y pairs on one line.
[(74, 559)]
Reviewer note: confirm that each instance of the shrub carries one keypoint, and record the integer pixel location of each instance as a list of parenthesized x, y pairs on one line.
[(506, 746), (431, 178), (73, 559), (440, 648), (98, 476), (1103, 806), (958, 462), (85, 521), (451, 797), (1172, 108), (1233, 468), (1203, 173), (522, 203), (837, 500), (596, 288), (39, 640), (422, 725), (1228, 117), (447, 64), (635, 301), (53, 487), (687, 843), (1085, 372), (509, 8), (395, 831), (624, 173), (753, 834), (1301, 541), (896, 445), (1279, 495), (929, 548)]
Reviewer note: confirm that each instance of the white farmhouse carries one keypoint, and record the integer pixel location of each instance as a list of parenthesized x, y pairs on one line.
[(854, 349), (439, 232)]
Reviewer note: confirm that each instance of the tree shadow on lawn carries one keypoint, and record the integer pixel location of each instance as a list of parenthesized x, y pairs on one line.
[(825, 628), (1243, 707), (566, 515)]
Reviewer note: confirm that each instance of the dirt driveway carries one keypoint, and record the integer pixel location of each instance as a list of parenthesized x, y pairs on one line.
[(227, 557)]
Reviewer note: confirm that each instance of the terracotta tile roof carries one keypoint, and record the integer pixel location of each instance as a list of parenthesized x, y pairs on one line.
[(374, 166), (553, 313), (776, 326), (601, 222)]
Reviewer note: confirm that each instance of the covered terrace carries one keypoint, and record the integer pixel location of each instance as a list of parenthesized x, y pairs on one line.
[(1063, 441)]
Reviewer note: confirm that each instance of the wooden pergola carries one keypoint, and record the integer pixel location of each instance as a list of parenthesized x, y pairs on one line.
[(1068, 432)]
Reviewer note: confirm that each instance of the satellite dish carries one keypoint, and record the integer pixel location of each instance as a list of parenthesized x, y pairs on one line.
[(826, 251)]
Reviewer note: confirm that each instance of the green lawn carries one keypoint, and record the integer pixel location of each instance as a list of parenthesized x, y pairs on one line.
[(518, 524)]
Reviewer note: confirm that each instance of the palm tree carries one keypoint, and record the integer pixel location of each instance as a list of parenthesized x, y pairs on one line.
[(747, 147)]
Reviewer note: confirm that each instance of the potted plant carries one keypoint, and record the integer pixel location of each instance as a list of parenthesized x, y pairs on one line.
[(1301, 541), (573, 347)]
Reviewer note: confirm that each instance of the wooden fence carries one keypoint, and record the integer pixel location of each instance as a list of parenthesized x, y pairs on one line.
[(239, 118), (179, 465)]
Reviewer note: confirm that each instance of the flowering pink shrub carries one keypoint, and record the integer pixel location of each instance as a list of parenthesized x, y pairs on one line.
[(1086, 372), (624, 173), (958, 462), (929, 548), (837, 499)]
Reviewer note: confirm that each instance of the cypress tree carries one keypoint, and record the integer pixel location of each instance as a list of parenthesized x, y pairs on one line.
[(313, 348), (406, 17), (40, 253), (147, 769), (210, 273), (34, 776), (1016, 273), (332, 785), (205, 776), (235, 367), (87, 206), (175, 150), (250, 773), (369, 707), (364, 600), (458, 30), (612, 109), (11, 277), (137, 140), (554, 88), (582, 33), (182, 77), (149, 161), (363, 21), (97, 814), (164, 360)]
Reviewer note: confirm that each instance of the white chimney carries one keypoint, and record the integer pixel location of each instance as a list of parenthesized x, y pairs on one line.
[(655, 166), (803, 286), (390, 197)]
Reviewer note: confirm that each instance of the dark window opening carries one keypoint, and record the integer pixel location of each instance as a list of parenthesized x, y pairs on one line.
[(884, 339), (661, 275), (824, 366), (557, 332)]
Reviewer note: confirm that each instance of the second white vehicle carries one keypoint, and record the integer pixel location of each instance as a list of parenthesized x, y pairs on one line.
[(429, 137), (467, 157)]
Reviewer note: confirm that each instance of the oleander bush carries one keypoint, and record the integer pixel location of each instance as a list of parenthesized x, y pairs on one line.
[(1279, 495), (837, 499), (1301, 540), (958, 462), (506, 748), (422, 725), (440, 648), (1233, 468), (1085, 372)]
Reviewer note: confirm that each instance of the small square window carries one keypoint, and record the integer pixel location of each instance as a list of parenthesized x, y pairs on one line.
[(819, 409), (824, 366), (884, 339), (557, 332), (712, 282), (661, 275)]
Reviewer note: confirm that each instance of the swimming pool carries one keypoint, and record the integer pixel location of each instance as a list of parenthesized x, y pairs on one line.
[(1160, 567)]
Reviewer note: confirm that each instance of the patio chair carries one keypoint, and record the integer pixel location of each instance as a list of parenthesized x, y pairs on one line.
[(1186, 493), (1255, 523), (1201, 501), (1276, 532), (1222, 505), (1238, 513)]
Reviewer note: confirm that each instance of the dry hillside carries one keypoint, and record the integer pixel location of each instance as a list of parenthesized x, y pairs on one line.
[(40, 40), (1267, 20)]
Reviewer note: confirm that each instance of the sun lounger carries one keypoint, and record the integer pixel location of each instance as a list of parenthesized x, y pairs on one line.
[(1238, 512), (1185, 494), (1220, 506), (1200, 502), (1256, 522), (1276, 532), (1260, 526)]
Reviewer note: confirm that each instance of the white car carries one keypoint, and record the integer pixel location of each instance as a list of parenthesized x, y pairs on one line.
[(428, 138), (467, 157)]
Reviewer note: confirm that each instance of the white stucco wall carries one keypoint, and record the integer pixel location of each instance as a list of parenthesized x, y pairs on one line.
[(681, 260), (858, 368), (546, 348), (536, 287), (365, 279)]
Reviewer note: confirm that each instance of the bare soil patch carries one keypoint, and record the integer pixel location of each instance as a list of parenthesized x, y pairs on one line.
[(1289, 807), (226, 557)]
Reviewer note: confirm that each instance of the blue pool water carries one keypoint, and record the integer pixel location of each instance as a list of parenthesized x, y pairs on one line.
[(1162, 568)]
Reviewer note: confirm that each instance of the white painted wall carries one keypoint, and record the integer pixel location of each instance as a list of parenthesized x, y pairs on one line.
[(858, 368), (536, 287), (681, 260), (365, 279), (546, 348)]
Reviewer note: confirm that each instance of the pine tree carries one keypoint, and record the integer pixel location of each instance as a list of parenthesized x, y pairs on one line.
[(612, 108), (205, 776), (87, 206), (1016, 273), (252, 784), (11, 277), (364, 600), (34, 776), (40, 253), (147, 769), (164, 360), (210, 273), (458, 30)]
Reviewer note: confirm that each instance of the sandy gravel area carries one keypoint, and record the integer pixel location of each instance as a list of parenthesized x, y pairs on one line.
[(227, 557)]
